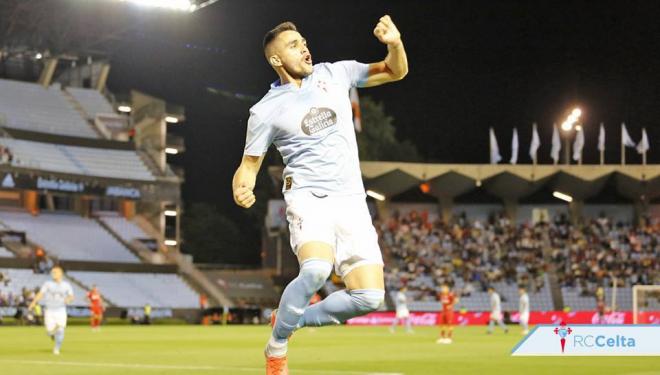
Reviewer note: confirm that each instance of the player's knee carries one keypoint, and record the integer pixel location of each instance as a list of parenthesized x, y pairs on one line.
[(314, 273), (368, 300)]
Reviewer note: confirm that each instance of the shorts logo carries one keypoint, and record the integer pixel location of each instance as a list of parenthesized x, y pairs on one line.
[(288, 182), (318, 119)]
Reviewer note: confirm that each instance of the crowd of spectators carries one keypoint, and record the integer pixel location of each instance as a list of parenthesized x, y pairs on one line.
[(422, 254), (10, 299), (602, 252)]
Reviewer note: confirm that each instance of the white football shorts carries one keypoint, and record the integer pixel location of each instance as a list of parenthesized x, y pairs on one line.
[(343, 222), (496, 315), (524, 317), (402, 313), (54, 319)]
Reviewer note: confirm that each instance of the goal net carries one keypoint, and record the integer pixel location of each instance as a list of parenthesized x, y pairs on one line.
[(646, 304)]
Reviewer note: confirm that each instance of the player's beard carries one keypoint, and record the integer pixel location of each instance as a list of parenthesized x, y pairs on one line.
[(302, 68), (299, 73)]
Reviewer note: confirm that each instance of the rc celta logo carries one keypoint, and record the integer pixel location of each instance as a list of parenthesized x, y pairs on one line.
[(563, 331), (591, 340)]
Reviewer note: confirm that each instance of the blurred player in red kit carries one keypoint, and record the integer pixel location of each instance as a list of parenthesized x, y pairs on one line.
[(96, 307), (448, 300)]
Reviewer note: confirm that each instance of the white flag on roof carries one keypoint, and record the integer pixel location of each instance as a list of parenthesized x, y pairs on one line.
[(514, 147), (643, 145), (556, 144), (625, 137), (495, 156), (601, 138), (536, 143), (578, 145)]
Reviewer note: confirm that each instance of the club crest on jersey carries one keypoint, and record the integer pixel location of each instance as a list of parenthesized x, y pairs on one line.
[(318, 119)]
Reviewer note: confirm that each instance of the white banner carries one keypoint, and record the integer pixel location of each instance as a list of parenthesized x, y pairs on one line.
[(590, 340)]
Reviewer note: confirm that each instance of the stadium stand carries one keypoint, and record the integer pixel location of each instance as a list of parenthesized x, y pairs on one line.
[(4, 253), (24, 280), (599, 253), (125, 229), (471, 255), (577, 301), (121, 164), (137, 289), (40, 124), (91, 101), (468, 256), (32, 107), (478, 300), (69, 237)]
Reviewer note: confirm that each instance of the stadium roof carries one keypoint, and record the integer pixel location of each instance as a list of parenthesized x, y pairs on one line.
[(508, 182)]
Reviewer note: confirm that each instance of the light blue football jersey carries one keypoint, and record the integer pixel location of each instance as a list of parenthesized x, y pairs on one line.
[(55, 294), (312, 128)]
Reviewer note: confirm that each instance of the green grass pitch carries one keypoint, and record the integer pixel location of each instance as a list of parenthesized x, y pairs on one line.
[(171, 350)]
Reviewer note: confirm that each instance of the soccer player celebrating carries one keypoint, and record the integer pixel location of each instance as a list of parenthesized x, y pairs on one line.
[(448, 301), (523, 309), (56, 294), (96, 308), (307, 115), (495, 311), (402, 312)]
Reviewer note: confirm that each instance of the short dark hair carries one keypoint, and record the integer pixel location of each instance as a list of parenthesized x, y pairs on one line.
[(272, 34)]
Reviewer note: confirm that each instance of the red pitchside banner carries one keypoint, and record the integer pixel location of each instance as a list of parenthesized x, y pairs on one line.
[(535, 317)]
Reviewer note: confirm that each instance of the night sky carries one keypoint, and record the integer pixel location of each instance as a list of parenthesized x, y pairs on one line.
[(473, 64)]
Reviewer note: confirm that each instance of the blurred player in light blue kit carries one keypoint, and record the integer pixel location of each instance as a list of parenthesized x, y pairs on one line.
[(495, 311), (523, 309), (56, 294), (402, 312)]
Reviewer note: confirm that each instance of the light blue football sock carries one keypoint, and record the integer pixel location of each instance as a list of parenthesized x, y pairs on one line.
[(296, 296), (341, 306), (59, 338)]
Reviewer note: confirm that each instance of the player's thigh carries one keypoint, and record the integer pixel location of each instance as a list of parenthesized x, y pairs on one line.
[(55, 320), (50, 322), (369, 276), (358, 259), (310, 227), (61, 320), (316, 250)]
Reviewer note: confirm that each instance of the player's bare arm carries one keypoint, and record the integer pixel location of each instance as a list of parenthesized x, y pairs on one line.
[(244, 180), (69, 299), (36, 300), (395, 65)]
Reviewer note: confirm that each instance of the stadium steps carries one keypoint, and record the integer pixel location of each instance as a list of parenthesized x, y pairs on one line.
[(18, 249), (150, 163), (78, 107), (5, 253), (23, 250), (551, 272), (199, 282), (140, 254), (147, 228), (188, 271)]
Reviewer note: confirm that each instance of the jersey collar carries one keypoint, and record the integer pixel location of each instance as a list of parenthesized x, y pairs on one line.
[(277, 85)]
